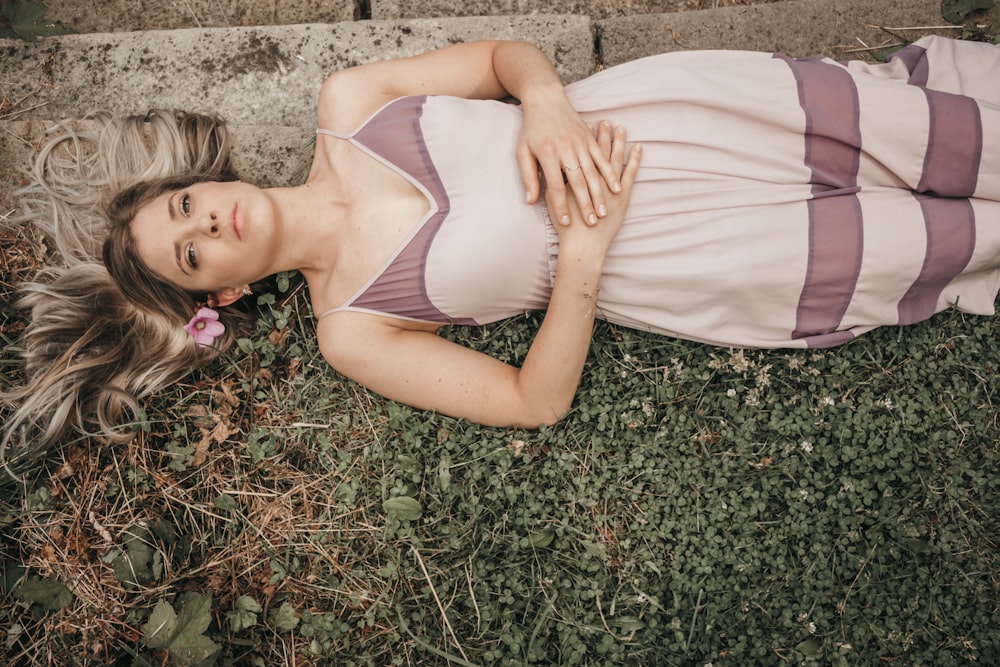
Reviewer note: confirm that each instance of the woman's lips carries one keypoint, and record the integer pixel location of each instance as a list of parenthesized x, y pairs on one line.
[(237, 223)]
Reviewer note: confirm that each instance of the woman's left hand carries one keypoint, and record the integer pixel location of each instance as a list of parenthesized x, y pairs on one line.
[(583, 240), (555, 138)]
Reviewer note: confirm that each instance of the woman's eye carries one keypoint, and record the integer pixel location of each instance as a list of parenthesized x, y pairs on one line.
[(192, 260), (185, 205)]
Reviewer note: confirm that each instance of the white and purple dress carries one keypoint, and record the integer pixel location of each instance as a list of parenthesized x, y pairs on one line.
[(779, 202)]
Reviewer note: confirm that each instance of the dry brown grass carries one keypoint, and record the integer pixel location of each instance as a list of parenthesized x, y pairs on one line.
[(284, 541)]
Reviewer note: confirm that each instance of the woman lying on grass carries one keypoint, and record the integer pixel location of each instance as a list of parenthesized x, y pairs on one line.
[(777, 203)]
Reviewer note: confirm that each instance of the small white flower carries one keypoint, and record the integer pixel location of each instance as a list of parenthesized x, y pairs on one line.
[(826, 400), (803, 493), (730, 393), (806, 446), (811, 627)]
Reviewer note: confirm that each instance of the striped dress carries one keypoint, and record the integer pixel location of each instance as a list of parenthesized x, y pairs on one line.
[(779, 203)]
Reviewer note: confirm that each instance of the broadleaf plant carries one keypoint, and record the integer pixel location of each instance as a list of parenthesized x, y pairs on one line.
[(45, 595), (957, 11), (183, 634), (24, 21)]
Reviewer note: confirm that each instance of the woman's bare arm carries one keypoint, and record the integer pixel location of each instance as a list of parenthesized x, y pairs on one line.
[(553, 135), (422, 369)]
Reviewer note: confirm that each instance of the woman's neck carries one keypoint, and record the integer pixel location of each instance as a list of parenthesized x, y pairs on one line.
[(313, 217)]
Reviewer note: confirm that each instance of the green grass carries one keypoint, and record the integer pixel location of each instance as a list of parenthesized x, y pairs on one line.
[(698, 506)]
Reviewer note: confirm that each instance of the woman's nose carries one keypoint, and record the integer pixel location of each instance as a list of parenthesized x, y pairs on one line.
[(210, 224)]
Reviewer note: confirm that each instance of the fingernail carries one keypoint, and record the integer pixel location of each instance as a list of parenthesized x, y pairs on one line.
[(564, 219), (616, 187), (527, 196), (593, 219), (602, 209)]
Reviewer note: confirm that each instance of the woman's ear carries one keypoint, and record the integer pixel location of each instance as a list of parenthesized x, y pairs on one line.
[(229, 295)]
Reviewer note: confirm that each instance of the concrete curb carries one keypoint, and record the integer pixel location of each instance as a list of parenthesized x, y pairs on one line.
[(844, 29), (262, 76)]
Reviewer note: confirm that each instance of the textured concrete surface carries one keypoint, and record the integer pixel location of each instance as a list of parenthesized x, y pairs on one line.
[(264, 80), (261, 75), (844, 29), (84, 16), (596, 9)]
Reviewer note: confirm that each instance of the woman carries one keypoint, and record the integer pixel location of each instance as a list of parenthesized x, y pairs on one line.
[(778, 202)]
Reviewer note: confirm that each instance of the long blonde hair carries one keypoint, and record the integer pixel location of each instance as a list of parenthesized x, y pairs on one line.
[(89, 351)]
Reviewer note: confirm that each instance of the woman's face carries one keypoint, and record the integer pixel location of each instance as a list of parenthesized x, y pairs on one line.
[(208, 237)]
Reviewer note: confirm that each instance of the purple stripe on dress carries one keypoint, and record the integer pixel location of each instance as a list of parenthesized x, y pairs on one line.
[(954, 145), (951, 239), (915, 59), (395, 135), (836, 243), (829, 99)]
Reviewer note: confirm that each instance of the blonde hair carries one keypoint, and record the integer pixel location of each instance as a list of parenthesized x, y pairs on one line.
[(91, 350)]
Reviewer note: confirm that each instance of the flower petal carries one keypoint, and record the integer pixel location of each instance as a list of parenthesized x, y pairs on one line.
[(206, 313), (205, 326)]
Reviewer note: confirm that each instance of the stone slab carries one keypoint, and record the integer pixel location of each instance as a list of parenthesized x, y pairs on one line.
[(260, 76), (844, 29), (596, 9), (86, 16)]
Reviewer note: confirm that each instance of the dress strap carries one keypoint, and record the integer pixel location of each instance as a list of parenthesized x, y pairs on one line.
[(330, 311), (339, 135)]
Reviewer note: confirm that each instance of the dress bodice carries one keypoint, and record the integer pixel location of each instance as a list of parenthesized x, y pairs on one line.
[(480, 253)]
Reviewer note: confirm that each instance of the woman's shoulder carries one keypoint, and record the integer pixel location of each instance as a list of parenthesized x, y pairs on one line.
[(346, 101)]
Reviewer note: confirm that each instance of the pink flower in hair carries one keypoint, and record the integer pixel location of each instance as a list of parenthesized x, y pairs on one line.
[(205, 326)]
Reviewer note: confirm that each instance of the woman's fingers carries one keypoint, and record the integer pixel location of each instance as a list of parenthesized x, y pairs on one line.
[(599, 174), (529, 173), (610, 174), (585, 169), (617, 150), (555, 187), (604, 134), (631, 167), (585, 183)]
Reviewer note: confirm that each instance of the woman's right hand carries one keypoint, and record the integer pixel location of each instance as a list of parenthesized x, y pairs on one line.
[(581, 239)]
